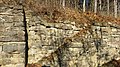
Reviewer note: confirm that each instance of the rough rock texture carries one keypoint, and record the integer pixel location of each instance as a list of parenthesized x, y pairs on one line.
[(86, 47), (12, 39), (60, 44), (112, 63)]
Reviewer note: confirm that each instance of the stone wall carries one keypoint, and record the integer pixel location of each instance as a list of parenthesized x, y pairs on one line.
[(60, 44), (44, 38), (109, 48), (98, 46), (12, 39)]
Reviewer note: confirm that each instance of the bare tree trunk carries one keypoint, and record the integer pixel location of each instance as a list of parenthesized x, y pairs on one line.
[(108, 7), (84, 5), (100, 4), (63, 3), (75, 4), (115, 8), (60, 4), (95, 7)]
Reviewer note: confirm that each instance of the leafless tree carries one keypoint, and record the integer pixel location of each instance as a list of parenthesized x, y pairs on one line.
[(115, 8), (63, 3), (95, 7), (84, 5), (100, 5), (108, 7)]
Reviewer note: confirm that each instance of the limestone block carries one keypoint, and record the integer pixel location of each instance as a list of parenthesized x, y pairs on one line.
[(16, 28), (10, 48), (8, 65), (19, 24), (6, 55), (67, 27), (20, 65), (6, 18), (76, 45), (8, 33), (20, 55), (17, 60), (6, 61), (21, 48), (10, 39), (8, 24), (14, 47), (17, 18), (58, 25)]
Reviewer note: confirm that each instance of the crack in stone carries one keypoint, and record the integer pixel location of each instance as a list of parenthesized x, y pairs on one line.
[(26, 37)]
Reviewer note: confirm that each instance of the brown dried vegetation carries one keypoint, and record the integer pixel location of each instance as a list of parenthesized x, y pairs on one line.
[(58, 14), (55, 13), (34, 65)]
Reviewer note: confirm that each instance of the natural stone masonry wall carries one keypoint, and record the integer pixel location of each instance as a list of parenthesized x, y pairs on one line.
[(98, 46), (44, 37), (109, 48), (12, 39)]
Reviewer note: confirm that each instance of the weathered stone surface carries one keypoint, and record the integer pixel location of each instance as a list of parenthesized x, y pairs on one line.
[(98, 46), (20, 65), (10, 48), (14, 65), (55, 44), (14, 47), (12, 37)]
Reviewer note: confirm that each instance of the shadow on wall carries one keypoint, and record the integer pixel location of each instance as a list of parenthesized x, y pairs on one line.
[(112, 63)]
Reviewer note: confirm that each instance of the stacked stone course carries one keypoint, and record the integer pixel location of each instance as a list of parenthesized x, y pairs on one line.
[(97, 46), (12, 39)]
